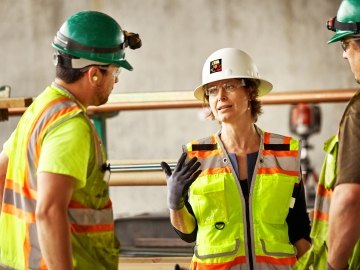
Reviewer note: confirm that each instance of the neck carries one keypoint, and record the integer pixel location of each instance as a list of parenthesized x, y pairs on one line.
[(240, 139), (78, 90)]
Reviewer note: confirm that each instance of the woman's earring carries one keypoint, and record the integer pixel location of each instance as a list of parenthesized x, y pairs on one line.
[(94, 78), (249, 103)]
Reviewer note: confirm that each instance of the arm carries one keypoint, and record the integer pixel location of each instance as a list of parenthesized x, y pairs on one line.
[(53, 197), (344, 224), (178, 183), (182, 220), (299, 222), (3, 168)]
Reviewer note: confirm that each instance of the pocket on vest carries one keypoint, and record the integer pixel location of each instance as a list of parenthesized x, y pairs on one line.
[(276, 195), (206, 251), (208, 200), (278, 249)]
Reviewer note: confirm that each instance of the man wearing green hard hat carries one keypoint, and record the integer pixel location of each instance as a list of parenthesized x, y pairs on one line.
[(55, 207), (335, 229)]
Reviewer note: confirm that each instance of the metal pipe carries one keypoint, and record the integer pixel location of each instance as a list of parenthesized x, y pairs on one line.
[(275, 98), (138, 167), (150, 174)]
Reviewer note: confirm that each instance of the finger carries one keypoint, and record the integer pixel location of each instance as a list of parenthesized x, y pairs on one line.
[(191, 170), (191, 162), (180, 162), (192, 179), (166, 168)]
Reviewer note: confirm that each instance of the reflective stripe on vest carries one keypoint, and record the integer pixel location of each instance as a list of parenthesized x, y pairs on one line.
[(216, 197), (20, 201), (87, 220)]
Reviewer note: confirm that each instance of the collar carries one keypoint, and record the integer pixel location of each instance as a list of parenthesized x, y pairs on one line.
[(67, 93)]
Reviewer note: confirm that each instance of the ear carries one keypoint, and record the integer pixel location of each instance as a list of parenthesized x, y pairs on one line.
[(94, 76)]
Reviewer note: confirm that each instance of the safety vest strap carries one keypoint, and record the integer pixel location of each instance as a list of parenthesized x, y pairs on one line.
[(278, 159), (55, 113), (91, 220)]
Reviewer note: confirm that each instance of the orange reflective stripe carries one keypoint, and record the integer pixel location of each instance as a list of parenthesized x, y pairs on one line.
[(291, 153), (216, 171), (46, 125), (322, 191), (272, 260), (266, 138), (277, 170), (204, 154), (218, 266), (92, 228), (27, 246), (16, 187), (12, 210), (286, 140), (319, 215)]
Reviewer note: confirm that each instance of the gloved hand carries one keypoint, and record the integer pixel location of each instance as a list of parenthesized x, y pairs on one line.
[(180, 180)]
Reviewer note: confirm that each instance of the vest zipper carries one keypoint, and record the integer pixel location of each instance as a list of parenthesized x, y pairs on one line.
[(249, 249)]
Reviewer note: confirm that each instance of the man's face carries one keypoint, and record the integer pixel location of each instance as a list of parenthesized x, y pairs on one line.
[(110, 78), (351, 47)]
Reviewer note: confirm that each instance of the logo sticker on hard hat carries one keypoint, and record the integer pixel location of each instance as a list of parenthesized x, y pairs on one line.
[(215, 66)]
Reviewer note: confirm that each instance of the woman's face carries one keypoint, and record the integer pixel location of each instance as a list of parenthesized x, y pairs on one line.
[(228, 100)]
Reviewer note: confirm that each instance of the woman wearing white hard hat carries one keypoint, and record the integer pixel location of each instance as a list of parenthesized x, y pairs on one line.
[(238, 193)]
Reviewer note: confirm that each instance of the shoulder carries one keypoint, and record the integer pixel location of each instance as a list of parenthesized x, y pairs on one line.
[(206, 143), (270, 137)]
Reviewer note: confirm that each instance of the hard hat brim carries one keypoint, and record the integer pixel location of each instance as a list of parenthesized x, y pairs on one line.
[(339, 36), (264, 88), (124, 64)]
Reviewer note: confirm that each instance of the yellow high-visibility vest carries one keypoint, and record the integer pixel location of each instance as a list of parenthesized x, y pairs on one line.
[(90, 214), (316, 256), (229, 236)]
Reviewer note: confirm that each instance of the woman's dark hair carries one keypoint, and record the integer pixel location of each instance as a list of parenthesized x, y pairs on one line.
[(252, 85)]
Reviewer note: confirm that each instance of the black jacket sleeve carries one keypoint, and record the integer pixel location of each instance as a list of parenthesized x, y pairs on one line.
[(298, 219)]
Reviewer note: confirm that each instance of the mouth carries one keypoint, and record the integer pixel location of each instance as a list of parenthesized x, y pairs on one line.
[(224, 107)]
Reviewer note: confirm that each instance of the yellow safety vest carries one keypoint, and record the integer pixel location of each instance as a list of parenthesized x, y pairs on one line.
[(91, 220), (316, 256), (225, 227)]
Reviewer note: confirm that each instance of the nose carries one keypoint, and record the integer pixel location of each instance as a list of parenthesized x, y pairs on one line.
[(116, 79), (344, 55), (221, 94)]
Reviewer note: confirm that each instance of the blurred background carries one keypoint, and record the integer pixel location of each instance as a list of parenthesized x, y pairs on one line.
[(287, 39)]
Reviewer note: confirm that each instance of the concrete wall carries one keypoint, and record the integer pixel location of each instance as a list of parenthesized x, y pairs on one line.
[(287, 40)]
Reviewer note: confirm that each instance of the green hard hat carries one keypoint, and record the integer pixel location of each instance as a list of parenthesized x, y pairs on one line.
[(94, 36), (347, 21)]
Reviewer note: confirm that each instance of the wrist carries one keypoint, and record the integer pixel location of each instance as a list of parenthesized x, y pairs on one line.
[(175, 203), (176, 206)]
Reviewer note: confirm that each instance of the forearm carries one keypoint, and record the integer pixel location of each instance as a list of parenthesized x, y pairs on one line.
[(55, 239), (182, 220), (53, 197), (344, 224)]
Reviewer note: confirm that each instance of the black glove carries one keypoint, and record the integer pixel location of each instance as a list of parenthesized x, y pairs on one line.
[(180, 180)]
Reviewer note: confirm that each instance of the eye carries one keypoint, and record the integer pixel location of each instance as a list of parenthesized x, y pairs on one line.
[(229, 87), (211, 91)]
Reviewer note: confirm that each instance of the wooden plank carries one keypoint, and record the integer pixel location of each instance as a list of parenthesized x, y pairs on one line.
[(14, 102), (160, 242), (153, 263)]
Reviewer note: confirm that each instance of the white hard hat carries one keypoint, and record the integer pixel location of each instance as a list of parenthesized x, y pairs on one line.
[(230, 63)]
